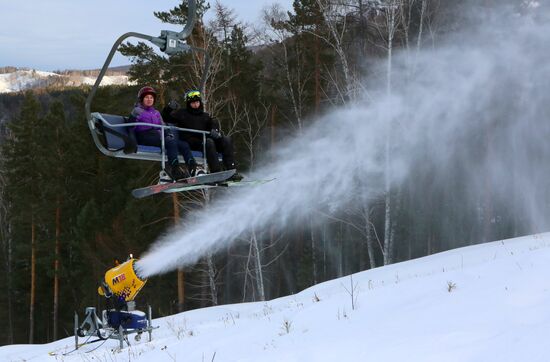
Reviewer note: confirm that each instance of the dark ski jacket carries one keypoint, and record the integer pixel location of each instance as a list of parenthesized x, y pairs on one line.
[(192, 119)]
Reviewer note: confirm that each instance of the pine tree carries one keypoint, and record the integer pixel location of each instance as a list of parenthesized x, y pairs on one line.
[(22, 174), (54, 177)]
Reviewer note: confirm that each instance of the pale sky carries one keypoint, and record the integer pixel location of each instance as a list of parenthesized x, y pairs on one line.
[(78, 34)]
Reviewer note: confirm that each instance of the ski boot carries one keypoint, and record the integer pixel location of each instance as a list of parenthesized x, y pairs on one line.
[(176, 173)]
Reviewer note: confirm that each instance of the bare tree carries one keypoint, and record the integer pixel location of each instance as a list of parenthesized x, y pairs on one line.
[(334, 15), (362, 225), (254, 257), (249, 122), (276, 34), (387, 25), (206, 283), (407, 15), (255, 265), (212, 274), (370, 234)]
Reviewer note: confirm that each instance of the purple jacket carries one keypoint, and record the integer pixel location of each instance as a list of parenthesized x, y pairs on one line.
[(146, 115)]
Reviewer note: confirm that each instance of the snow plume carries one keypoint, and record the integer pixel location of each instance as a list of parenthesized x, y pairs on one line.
[(489, 82)]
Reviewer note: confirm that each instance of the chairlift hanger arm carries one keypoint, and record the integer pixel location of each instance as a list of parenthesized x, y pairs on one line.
[(106, 66), (169, 42), (191, 18)]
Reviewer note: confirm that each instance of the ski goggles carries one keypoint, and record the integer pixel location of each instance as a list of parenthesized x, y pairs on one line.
[(194, 95)]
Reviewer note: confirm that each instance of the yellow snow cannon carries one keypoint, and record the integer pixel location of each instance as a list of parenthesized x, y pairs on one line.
[(122, 281)]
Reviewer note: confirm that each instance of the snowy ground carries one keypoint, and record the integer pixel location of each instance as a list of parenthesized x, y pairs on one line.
[(488, 302)]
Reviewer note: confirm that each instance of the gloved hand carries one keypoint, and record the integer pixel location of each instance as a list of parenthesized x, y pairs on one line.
[(173, 105), (168, 134), (215, 134)]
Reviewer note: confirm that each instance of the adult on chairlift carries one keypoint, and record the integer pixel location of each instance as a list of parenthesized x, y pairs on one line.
[(144, 111), (193, 116)]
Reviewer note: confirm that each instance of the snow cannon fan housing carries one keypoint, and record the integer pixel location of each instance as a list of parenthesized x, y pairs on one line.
[(122, 281)]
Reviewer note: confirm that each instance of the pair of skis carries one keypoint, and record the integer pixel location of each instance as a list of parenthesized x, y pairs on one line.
[(217, 179)]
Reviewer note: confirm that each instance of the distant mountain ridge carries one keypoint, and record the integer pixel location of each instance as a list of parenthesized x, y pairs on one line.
[(14, 79)]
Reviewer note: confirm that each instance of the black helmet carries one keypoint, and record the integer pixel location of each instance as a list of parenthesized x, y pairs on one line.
[(147, 90)]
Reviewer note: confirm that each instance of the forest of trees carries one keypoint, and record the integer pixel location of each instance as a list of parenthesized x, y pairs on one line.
[(66, 211)]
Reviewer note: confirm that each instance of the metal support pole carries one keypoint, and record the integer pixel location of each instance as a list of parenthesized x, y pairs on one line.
[(162, 148), (204, 152), (149, 323), (121, 336)]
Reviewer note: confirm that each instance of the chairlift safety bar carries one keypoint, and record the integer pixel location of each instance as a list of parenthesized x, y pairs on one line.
[(97, 116)]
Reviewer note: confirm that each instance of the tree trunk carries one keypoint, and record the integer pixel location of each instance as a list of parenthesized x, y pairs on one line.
[(362, 28), (317, 72), (10, 286), (56, 266), (5, 238), (317, 49), (313, 252), (181, 275), (272, 235), (247, 272), (340, 255), (391, 24), (259, 272), (396, 209), (487, 195), (421, 27), (181, 290), (228, 279), (33, 281), (212, 279), (387, 218), (211, 267), (296, 105), (324, 236), (339, 49), (370, 241)]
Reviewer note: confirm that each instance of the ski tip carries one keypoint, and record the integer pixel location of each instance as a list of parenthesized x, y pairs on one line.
[(140, 194)]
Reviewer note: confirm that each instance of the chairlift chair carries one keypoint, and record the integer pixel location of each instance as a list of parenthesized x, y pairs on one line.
[(113, 134)]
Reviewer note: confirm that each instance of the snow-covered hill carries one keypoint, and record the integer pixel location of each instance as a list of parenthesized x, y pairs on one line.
[(488, 302), (22, 79)]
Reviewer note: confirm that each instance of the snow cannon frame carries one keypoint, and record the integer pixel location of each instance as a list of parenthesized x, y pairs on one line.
[(114, 324), (121, 285)]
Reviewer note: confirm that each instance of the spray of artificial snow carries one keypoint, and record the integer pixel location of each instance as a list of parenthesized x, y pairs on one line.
[(494, 74)]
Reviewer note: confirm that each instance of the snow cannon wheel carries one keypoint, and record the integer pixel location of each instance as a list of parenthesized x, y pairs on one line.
[(81, 332)]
